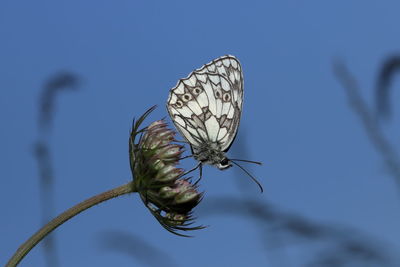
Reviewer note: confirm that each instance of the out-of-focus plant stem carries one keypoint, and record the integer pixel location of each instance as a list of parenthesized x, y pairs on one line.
[(65, 216)]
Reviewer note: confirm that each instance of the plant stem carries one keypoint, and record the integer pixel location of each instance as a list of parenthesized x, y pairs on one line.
[(65, 216)]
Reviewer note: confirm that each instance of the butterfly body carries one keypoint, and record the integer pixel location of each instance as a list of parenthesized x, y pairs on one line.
[(210, 153), (206, 107)]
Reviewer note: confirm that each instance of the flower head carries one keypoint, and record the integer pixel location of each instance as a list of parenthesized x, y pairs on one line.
[(153, 159)]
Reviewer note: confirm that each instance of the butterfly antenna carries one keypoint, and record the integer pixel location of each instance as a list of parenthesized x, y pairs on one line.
[(251, 176), (248, 161)]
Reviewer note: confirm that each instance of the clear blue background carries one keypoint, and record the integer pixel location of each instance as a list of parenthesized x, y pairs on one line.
[(318, 161)]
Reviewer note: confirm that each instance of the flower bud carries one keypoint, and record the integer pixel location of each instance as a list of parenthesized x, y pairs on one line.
[(168, 174), (167, 192), (183, 184), (187, 196), (153, 159), (170, 152), (157, 164)]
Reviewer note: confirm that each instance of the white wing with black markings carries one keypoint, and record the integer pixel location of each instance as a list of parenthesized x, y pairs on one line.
[(206, 106)]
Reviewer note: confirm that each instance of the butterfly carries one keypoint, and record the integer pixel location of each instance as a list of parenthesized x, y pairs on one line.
[(206, 108)]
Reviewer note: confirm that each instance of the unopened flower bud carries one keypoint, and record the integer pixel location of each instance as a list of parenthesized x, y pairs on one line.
[(157, 135), (158, 164), (187, 196), (168, 174), (153, 160), (170, 152), (167, 192), (183, 185)]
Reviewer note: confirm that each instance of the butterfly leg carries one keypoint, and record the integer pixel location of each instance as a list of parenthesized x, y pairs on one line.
[(200, 173), (186, 157), (189, 171)]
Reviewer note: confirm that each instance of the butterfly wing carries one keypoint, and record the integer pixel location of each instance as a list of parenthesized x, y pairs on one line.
[(206, 106)]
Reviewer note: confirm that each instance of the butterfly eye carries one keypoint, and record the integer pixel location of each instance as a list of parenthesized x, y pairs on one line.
[(227, 97), (224, 162), (187, 97), (179, 104)]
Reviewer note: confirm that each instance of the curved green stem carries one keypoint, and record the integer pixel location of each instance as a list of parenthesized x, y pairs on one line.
[(65, 216)]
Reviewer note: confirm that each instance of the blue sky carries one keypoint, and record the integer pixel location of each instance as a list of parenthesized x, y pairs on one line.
[(318, 160)]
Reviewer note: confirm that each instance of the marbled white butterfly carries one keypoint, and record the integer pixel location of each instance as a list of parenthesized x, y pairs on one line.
[(206, 108)]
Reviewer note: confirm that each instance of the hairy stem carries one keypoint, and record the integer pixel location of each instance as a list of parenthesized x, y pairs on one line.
[(65, 216)]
